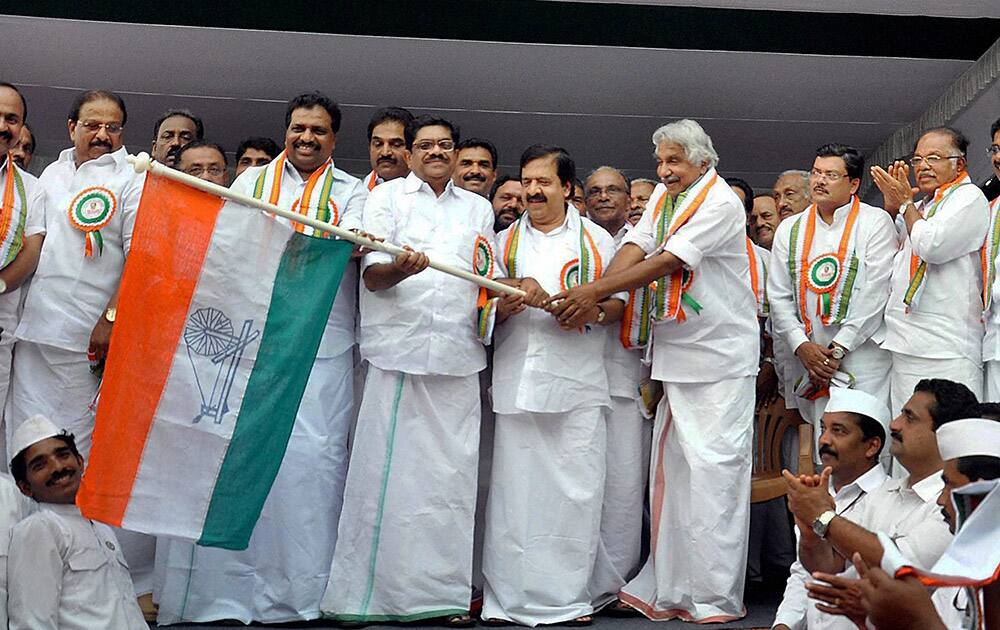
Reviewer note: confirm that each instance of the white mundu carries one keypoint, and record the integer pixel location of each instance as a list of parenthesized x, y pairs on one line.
[(837, 293), (405, 535), (65, 571), (28, 218), (627, 468), (933, 320), (550, 395), (991, 293), (796, 606), (70, 290), (707, 360), (281, 576)]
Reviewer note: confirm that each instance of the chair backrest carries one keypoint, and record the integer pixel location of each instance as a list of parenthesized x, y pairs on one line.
[(772, 422)]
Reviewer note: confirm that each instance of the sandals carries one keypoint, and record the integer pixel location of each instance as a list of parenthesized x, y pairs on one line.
[(620, 609), (461, 620), (582, 620)]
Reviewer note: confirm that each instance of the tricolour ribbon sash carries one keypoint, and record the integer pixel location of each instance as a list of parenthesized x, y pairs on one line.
[(13, 215), (587, 267), (918, 268), (315, 204), (484, 265), (670, 215), (90, 210), (831, 276), (988, 254), (637, 318), (757, 283)]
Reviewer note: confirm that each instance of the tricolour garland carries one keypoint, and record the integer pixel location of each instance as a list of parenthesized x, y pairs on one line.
[(315, 204), (988, 254), (13, 215)]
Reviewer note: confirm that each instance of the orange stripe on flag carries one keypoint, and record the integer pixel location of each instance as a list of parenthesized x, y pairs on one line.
[(172, 232)]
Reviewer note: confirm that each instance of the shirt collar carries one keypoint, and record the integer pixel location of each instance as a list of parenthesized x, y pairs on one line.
[(412, 184), (62, 509), (117, 157), (872, 479), (930, 487), (566, 224), (297, 176)]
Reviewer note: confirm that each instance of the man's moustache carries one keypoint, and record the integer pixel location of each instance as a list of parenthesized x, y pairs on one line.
[(388, 159), (475, 176), (100, 143), (826, 450), (304, 145), (58, 476), (896, 436), (6, 135), (537, 199)]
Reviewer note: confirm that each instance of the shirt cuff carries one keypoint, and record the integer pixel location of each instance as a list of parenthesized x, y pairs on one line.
[(684, 249), (621, 295), (31, 230), (644, 242), (796, 338), (846, 338), (377, 258)]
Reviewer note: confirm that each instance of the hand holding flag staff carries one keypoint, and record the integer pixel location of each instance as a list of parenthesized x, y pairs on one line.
[(143, 162)]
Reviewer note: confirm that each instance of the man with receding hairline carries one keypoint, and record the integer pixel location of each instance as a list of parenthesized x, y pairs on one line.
[(387, 145), (791, 193), (641, 191), (174, 129), (934, 317)]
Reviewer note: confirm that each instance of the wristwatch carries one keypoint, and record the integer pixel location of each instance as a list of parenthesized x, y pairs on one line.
[(600, 314), (822, 523), (837, 352), (110, 314)]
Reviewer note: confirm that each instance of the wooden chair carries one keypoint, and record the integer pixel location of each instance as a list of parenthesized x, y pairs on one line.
[(772, 422)]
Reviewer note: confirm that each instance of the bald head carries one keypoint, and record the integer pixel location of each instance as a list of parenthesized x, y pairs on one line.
[(606, 197)]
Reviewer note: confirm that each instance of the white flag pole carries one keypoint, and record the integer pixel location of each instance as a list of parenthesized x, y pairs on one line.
[(143, 162)]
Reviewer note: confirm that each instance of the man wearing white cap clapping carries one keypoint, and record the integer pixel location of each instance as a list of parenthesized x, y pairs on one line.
[(64, 571), (853, 431)]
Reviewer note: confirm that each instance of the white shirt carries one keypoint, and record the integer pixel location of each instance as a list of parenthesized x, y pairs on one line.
[(763, 259), (426, 324), (67, 572), (875, 245), (796, 606), (537, 366), (349, 194), (991, 342), (10, 302), (69, 291), (947, 321), (954, 608), (14, 506), (723, 341), (625, 369)]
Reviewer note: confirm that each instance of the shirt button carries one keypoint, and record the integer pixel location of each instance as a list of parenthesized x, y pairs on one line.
[(110, 545)]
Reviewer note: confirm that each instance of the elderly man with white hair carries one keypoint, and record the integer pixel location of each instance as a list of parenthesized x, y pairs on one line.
[(705, 341)]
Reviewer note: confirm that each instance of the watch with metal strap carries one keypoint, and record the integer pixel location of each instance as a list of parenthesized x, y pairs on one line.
[(110, 314), (822, 523)]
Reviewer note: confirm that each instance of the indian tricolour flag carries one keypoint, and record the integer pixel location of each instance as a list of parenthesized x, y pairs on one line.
[(220, 315)]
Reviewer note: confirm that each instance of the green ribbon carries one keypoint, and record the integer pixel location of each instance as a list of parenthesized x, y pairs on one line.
[(690, 301)]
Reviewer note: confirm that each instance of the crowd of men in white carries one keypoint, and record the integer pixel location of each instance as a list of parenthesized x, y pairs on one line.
[(656, 318)]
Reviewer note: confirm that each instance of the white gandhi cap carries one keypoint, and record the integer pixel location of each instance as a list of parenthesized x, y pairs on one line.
[(34, 429), (968, 437), (859, 402)]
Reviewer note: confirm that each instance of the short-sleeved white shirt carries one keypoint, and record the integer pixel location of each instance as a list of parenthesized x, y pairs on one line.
[(34, 223), (69, 291), (349, 193), (723, 341), (425, 324)]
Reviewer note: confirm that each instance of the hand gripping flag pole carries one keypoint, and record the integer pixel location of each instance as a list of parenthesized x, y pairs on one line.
[(143, 162)]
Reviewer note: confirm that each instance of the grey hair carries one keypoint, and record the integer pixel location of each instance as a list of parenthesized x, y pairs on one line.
[(628, 186), (644, 180), (697, 145), (805, 179)]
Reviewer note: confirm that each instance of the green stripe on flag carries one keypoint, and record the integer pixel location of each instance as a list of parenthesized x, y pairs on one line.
[(304, 289)]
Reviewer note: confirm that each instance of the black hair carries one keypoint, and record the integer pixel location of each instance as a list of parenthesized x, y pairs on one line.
[(989, 410), (871, 428), (480, 143), (261, 144), (199, 144), (994, 128), (31, 134), (957, 137), (19, 465), (420, 122), (199, 127), (952, 401), (736, 182), (579, 184), (565, 167), (90, 96), (314, 99), (854, 162), (24, 103), (397, 114), (503, 179), (979, 467)]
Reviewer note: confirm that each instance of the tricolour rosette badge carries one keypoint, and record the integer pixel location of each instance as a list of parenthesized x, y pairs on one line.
[(92, 209)]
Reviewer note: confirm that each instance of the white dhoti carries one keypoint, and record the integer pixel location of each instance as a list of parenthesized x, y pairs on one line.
[(543, 518), (281, 576), (991, 387), (624, 491), (907, 370), (405, 534), (56, 383), (700, 504)]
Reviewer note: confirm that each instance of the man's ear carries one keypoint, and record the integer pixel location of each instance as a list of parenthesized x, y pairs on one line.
[(25, 489)]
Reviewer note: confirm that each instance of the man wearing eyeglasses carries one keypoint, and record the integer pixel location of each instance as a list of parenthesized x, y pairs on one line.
[(828, 282), (410, 496), (933, 320), (991, 293), (204, 160), (281, 576)]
